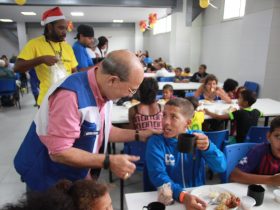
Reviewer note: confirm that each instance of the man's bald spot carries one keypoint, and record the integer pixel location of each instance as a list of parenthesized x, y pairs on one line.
[(122, 62)]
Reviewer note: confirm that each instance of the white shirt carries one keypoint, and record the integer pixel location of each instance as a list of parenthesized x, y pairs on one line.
[(91, 53), (164, 73)]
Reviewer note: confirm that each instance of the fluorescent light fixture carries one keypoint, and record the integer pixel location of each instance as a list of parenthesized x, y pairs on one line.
[(28, 13), (118, 21), (77, 14), (6, 20)]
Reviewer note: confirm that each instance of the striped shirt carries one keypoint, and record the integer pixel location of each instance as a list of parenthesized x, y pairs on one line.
[(260, 160)]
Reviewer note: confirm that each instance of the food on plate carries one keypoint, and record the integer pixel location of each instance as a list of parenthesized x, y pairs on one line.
[(213, 195), (226, 201)]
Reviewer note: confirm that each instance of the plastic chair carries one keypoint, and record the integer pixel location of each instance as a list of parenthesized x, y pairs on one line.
[(234, 153), (189, 94), (218, 137), (8, 87), (165, 79), (253, 86), (257, 134), (133, 148)]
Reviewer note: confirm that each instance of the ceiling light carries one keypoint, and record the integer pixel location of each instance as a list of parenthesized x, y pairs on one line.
[(28, 13), (118, 21), (6, 20), (77, 13)]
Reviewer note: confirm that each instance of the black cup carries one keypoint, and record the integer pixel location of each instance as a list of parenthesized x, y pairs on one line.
[(256, 192), (155, 206), (186, 143)]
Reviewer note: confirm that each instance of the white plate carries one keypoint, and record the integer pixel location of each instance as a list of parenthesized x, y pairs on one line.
[(203, 192)]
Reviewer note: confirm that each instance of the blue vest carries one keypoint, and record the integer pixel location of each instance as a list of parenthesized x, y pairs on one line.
[(33, 162)]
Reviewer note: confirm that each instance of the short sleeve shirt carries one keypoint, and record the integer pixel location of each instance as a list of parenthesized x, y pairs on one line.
[(82, 56), (244, 118), (39, 47), (260, 160)]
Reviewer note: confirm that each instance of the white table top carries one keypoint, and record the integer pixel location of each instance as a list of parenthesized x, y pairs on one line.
[(268, 107), (135, 201), (181, 86)]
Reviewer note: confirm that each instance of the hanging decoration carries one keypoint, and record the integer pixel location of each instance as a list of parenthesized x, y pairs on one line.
[(70, 26), (143, 25), (205, 3), (152, 19), (20, 2)]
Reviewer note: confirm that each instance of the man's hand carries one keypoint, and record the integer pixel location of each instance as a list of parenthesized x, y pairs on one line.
[(49, 60), (122, 165), (145, 134), (202, 141), (194, 203)]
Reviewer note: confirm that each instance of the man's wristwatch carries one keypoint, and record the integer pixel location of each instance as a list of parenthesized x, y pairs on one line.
[(106, 163)]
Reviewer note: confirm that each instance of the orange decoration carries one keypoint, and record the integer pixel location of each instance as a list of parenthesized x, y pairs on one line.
[(143, 25), (70, 26)]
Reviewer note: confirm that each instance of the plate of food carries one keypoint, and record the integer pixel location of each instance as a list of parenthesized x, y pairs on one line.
[(217, 198)]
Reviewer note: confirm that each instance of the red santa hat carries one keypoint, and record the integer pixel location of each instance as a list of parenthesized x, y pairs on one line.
[(52, 15)]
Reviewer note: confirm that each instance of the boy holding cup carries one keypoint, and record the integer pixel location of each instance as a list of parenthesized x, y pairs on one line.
[(165, 164)]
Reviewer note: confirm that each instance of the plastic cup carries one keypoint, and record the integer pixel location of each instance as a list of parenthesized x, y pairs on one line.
[(247, 202)]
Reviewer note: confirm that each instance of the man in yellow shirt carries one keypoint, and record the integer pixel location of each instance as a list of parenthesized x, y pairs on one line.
[(44, 51)]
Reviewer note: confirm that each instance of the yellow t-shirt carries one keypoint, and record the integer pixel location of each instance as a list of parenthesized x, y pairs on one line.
[(39, 47), (197, 121)]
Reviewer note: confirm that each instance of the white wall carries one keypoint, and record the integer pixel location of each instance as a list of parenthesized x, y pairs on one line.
[(238, 48), (272, 74), (7, 46), (119, 37), (157, 45)]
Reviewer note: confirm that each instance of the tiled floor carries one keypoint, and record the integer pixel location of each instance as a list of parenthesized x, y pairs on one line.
[(14, 124)]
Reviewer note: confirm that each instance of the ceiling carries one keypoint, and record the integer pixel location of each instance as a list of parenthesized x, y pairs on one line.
[(94, 10), (91, 13)]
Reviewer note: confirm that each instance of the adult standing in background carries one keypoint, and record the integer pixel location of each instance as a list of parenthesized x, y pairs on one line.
[(70, 132), (44, 51), (102, 46), (85, 38), (91, 50), (200, 75)]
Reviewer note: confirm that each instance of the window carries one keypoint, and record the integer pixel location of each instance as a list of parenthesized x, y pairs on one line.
[(163, 25), (234, 9)]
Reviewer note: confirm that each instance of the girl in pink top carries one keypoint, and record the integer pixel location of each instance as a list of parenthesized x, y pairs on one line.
[(147, 114)]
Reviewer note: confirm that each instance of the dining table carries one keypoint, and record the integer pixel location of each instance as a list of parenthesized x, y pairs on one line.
[(269, 108), (136, 201)]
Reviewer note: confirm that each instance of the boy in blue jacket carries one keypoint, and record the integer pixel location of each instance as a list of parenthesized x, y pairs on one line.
[(165, 164)]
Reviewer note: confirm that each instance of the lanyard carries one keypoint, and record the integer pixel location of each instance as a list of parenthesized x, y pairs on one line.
[(60, 48)]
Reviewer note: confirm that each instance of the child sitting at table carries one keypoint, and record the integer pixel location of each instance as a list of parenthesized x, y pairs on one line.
[(165, 164), (167, 94), (262, 163), (178, 75), (186, 72), (199, 115), (243, 118)]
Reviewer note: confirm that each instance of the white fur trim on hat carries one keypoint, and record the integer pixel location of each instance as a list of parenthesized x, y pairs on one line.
[(52, 19)]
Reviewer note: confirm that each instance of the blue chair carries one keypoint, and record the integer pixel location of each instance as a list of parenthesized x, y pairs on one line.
[(218, 137), (257, 134), (165, 79), (8, 87), (189, 94), (253, 86), (234, 153)]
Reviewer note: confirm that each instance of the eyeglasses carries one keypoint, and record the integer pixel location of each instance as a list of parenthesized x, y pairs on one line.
[(131, 91)]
